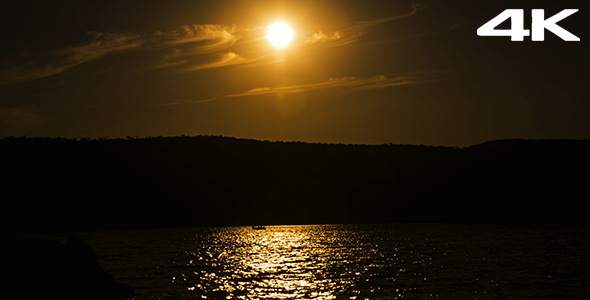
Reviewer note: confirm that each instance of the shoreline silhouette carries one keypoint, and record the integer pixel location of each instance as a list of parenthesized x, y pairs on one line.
[(63, 184)]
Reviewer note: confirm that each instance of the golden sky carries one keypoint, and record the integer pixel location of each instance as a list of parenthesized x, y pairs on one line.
[(354, 72)]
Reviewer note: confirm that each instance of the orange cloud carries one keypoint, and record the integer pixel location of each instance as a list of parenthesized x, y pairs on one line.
[(351, 34), (322, 37), (350, 83), (226, 59), (19, 118), (218, 36), (169, 60), (63, 59), (354, 83), (195, 39), (104, 43)]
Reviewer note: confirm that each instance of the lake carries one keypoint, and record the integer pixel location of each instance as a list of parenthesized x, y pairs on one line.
[(393, 261)]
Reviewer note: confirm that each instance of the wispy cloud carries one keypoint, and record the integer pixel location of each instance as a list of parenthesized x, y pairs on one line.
[(103, 43), (397, 39), (353, 83), (195, 40), (66, 58), (19, 118), (229, 59), (346, 84), (183, 102), (322, 37), (186, 42), (226, 59), (28, 71), (169, 60), (216, 38), (349, 84), (353, 33)]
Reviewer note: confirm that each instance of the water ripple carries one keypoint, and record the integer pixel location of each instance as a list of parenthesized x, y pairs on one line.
[(397, 261)]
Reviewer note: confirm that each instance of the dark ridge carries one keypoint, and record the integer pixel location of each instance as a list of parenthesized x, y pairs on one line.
[(57, 184)]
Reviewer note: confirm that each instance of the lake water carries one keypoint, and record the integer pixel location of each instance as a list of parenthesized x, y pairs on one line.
[(396, 261)]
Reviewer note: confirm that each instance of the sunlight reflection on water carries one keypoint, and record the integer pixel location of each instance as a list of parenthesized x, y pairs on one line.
[(292, 262), (395, 261), (276, 263)]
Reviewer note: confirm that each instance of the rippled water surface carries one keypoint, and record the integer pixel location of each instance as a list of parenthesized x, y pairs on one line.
[(405, 261)]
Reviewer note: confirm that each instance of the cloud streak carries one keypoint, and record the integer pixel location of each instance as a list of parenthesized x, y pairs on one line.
[(19, 118), (322, 37), (66, 58), (186, 42), (103, 44), (226, 59), (353, 83), (216, 38), (169, 60), (353, 33), (349, 83)]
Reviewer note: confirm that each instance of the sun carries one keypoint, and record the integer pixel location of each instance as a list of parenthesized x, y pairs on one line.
[(279, 34)]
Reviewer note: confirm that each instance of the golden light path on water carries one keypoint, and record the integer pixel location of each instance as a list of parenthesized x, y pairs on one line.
[(371, 261), (297, 262)]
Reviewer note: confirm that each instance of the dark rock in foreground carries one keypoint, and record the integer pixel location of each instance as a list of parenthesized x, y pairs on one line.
[(40, 269)]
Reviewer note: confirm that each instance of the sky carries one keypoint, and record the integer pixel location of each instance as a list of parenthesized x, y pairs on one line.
[(355, 72)]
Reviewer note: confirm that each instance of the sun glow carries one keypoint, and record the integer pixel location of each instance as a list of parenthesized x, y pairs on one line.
[(279, 34)]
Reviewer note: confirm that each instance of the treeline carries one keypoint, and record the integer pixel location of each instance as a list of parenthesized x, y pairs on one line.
[(63, 184)]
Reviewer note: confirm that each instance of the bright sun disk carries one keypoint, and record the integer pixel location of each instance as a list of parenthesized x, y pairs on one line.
[(279, 34)]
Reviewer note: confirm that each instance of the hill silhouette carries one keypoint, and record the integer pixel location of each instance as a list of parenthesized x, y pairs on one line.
[(57, 184)]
